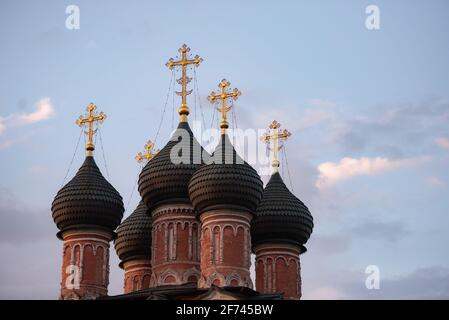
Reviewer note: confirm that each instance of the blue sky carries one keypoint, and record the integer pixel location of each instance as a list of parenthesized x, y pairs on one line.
[(368, 111)]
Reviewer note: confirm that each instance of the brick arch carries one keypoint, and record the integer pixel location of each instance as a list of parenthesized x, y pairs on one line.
[(216, 244), (233, 246), (233, 279), (89, 264), (171, 233), (168, 276), (216, 278), (244, 228), (66, 261), (146, 279), (189, 274), (260, 274), (100, 253), (127, 286), (76, 254), (194, 238), (284, 259), (292, 260), (270, 275), (206, 245), (284, 275), (136, 283)]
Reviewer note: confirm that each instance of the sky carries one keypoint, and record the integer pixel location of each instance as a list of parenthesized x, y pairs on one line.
[(368, 111)]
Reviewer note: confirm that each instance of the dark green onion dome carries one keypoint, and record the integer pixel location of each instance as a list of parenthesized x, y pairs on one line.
[(134, 236), (227, 182), (87, 201), (281, 217), (165, 178)]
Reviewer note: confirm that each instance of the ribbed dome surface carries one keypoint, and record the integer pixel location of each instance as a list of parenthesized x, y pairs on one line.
[(228, 182), (134, 235), (281, 217), (165, 180), (87, 200)]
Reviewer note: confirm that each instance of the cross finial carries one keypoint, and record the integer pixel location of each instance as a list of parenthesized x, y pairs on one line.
[(149, 152), (183, 62), (224, 95), (273, 136), (90, 120)]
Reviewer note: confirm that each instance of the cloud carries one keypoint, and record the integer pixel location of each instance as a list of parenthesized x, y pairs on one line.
[(380, 230), (311, 118), (44, 111), (391, 127), (443, 142), (422, 283), (27, 238), (21, 223), (330, 244), (332, 173), (435, 182)]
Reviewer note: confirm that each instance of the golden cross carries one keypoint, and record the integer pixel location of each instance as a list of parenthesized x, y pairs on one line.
[(274, 136), (184, 80), (149, 152), (223, 96), (90, 119)]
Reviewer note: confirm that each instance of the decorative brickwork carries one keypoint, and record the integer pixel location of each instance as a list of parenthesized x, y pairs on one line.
[(226, 245), (175, 245), (137, 275), (85, 264), (278, 270)]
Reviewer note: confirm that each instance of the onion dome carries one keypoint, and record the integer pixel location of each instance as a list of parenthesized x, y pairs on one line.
[(228, 182), (134, 236), (281, 217), (87, 201), (165, 178)]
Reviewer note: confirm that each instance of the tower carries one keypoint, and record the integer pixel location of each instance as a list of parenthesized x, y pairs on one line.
[(163, 186), (282, 226), (133, 242), (225, 194), (133, 247), (86, 211)]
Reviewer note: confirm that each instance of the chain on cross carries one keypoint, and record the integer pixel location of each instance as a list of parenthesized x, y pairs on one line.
[(184, 80), (224, 95), (148, 154), (90, 120), (273, 136)]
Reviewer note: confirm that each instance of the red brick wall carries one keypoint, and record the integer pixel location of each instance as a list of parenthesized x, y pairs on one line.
[(225, 245), (137, 275), (85, 264), (278, 270), (175, 246)]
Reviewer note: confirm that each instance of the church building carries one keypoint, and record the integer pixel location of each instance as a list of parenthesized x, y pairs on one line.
[(200, 220)]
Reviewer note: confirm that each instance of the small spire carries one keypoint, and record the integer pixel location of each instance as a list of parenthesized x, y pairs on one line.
[(90, 120), (149, 153), (184, 80), (224, 95), (272, 137)]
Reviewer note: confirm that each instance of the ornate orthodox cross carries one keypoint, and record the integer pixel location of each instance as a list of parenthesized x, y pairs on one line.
[(90, 120), (184, 80), (224, 95), (273, 137), (149, 152)]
